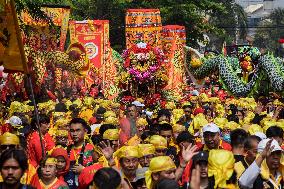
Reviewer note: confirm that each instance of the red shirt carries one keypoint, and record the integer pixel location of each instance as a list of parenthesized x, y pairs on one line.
[(34, 149), (86, 176), (87, 154)]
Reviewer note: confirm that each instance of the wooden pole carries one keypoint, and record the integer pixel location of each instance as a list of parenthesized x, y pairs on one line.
[(26, 69)]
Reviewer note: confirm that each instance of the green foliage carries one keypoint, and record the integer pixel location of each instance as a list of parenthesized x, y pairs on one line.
[(233, 19), (198, 16), (270, 31)]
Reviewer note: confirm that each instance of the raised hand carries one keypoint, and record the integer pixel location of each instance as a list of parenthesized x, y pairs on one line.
[(195, 178), (189, 152), (106, 149), (267, 150)]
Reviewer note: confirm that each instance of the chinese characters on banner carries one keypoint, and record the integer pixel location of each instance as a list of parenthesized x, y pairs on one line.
[(143, 25), (173, 41)]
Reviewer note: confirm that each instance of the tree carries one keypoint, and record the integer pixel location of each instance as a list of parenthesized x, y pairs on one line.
[(193, 14), (233, 21), (270, 31)]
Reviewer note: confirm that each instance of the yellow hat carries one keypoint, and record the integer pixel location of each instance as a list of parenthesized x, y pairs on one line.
[(249, 117), (170, 105), (51, 160), (140, 100), (61, 122), (88, 101), (203, 97), (77, 102), (178, 128), (127, 151), (158, 141), (232, 125), (221, 122), (146, 149), (220, 110), (58, 114), (157, 164), (277, 103), (111, 120), (254, 128), (199, 121), (9, 139), (214, 100), (141, 122), (48, 106), (106, 104), (109, 114), (111, 134), (186, 104), (61, 133), (86, 114), (115, 105), (221, 166)]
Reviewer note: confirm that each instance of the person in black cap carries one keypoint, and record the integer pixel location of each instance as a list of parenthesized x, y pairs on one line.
[(201, 159)]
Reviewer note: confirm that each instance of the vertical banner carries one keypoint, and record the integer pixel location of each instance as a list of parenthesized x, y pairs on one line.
[(173, 41), (143, 25), (92, 34), (10, 55)]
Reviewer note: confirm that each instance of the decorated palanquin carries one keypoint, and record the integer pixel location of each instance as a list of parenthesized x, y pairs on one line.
[(94, 35), (173, 41), (143, 25)]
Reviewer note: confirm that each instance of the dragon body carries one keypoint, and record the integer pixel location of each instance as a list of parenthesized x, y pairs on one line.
[(267, 67)]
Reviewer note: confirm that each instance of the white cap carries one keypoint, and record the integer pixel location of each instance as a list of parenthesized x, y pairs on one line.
[(262, 144), (138, 104), (260, 135), (211, 127), (195, 93), (14, 121)]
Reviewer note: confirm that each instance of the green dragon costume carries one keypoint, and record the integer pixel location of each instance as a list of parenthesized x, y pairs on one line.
[(266, 68)]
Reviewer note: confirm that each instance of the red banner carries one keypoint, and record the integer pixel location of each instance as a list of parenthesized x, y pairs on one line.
[(91, 34), (173, 41), (143, 25)]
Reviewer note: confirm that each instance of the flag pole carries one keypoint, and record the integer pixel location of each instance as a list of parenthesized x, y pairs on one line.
[(26, 69)]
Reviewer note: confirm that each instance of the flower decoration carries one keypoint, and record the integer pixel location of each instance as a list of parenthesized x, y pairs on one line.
[(127, 99), (155, 101), (141, 62)]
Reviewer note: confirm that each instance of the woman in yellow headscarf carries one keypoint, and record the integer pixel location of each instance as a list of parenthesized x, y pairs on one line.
[(221, 168)]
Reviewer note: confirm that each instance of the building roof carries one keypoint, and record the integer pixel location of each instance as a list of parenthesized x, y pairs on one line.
[(253, 8)]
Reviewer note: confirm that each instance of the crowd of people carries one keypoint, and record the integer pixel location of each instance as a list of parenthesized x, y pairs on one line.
[(205, 142)]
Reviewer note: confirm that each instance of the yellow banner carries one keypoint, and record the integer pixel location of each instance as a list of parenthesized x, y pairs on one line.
[(10, 55)]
